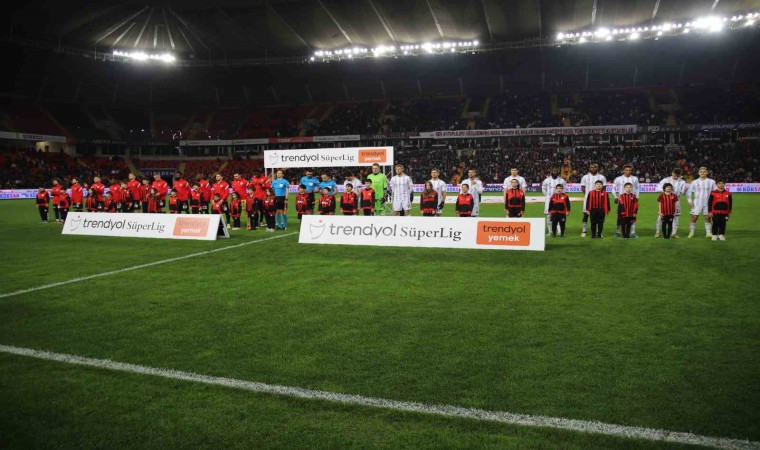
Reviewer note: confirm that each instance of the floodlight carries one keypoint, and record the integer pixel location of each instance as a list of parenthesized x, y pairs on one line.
[(634, 36)]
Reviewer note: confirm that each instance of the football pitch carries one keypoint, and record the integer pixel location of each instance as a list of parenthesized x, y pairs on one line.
[(643, 333)]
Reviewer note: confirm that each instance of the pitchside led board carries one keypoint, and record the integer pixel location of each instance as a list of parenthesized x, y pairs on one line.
[(436, 232), (328, 157), (205, 227)]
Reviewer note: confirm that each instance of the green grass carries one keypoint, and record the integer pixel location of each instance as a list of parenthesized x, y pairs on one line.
[(646, 332)]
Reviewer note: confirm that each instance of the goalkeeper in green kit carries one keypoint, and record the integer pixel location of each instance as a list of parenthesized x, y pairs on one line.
[(380, 185)]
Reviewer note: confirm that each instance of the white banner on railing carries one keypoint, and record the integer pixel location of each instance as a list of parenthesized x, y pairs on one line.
[(163, 226), (437, 232), (31, 137), (328, 157)]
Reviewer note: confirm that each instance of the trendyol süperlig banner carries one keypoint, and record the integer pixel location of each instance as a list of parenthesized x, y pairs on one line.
[(162, 226), (328, 157), (545, 131), (437, 232)]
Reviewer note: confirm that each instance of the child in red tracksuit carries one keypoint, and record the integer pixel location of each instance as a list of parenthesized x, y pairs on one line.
[(465, 202), (109, 205), (92, 202), (349, 203), (250, 208), (220, 206), (173, 203), (719, 208), (42, 201), (236, 208), (559, 208), (270, 209), (326, 203), (302, 202), (64, 203), (196, 199), (151, 204), (367, 201), (515, 204)]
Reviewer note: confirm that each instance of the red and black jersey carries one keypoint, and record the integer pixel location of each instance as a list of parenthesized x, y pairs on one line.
[(668, 204), (302, 203), (559, 204), (721, 202), (236, 207), (91, 204), (368, 199), (465, 203), (219, 207), (174, 205), (42, 198), (144, 192), (429, 202), (598, 200), (515, 199), (109, 205), (195, 199), (55, 192), (270, 206), (152, 203), (249, 204), (628, 205), (76, 193), (327, 205), (134, 190), (349, 202), (64, 201)]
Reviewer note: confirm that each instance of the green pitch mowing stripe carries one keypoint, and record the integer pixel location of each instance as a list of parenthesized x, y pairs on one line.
[(141, 266), (440, 410)]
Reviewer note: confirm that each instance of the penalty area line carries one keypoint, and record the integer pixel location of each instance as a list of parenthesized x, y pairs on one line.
[(141, 266), (584, 426)]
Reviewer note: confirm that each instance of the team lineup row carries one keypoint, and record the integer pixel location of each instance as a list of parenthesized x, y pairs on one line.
[(265, 200)]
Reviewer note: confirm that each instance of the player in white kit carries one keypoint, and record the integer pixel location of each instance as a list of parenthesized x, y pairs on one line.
[(699, 198), (618, 188), (587, 185), (440, 187), (475, 189), (548, 187), (514, 175), (679, 188), (402, 187)]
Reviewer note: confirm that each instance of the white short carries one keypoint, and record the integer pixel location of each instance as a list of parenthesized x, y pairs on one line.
[(698, 209), (402, 204), (546, 205)]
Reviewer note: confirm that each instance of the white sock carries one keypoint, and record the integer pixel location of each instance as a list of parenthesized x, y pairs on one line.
[(658, 227), (708, 227), (692, 227), (548, 224), (675, 224), (584, 227), (633, 228)]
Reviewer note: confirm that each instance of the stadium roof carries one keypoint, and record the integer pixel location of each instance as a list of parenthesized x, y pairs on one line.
[(238, 29)]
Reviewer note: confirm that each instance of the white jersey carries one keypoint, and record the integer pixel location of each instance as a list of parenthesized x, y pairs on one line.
[(699, 191), (588, 181), (549, 186), (679, 185), (439, 186), (356, 183), (520, 180), (619, 185), (401, 186)]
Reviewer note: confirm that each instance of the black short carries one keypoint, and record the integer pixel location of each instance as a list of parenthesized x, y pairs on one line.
[(279, 202), (161, 204)]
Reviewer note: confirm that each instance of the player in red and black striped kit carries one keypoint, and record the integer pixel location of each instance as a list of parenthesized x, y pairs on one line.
[(559, 208), (367, 199), (465, 202), (145, 192), (597, 207), (42, 201), (628, 207), (349, 201), (668, 204), (303, 202), (429, 200), (720, 206), (515, 204), (326, 203)]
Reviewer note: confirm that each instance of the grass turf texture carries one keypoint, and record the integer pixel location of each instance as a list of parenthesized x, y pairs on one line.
[(653, 333)]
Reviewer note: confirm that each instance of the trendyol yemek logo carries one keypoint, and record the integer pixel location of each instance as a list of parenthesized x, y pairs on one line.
[(274, 158), (317, 230)]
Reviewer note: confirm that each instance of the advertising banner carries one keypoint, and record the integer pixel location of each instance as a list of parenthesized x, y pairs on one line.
[(162, 226), (549, 131), (328, 157), (435, 232), (31, 137)]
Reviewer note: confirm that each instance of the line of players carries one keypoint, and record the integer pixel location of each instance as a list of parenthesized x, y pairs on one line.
[(705, 196)]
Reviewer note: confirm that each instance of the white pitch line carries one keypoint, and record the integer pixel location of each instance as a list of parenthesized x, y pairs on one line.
[(439, 410), (141, 266)]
